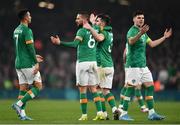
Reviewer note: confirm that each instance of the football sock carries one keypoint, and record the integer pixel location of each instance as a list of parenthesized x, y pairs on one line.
[(149, 97), (139, 97), (83, 102), (127, 97), (97, 101)]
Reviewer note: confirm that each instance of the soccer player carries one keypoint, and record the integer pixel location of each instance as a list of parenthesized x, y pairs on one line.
[(136, 71), (137, 90), (26, 64), (86, 65), (104, 59)]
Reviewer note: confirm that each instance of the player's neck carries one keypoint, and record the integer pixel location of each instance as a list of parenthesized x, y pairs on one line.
[(137, 26), (24, 23)]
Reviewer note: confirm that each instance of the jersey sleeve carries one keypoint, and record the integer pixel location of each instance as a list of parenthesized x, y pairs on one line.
[(74, 43), (30, 46), (28, 35), (148, 39), (132, 32), (80, 34)]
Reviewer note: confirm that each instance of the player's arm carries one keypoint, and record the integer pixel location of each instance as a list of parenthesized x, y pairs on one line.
[(133, 40), (32, 52), (30, 47), (30, 44), (166, 35), (97, 36), (56, 40)]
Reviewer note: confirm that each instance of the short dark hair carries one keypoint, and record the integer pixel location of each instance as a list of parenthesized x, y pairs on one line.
[(138, 12), (22, 13), (84, 14), (106, 18)]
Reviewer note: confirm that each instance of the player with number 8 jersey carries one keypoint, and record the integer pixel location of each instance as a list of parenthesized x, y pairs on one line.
[(87, 48)]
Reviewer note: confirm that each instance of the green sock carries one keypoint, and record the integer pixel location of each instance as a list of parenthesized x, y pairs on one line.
[(21, 95), (139, 97), (33, 92), (123, 90), (127, 97), (83, 102), (103, 102), (97, 101), (110, 98), (149, 97)]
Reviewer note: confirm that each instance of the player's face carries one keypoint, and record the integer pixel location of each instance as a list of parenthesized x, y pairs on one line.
[(98, 21), (139, 20), (79, 20), (28, 17)]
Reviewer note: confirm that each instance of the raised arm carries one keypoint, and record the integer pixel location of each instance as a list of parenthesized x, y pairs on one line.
[(155, 43), (56, 40), (97, 36), (133, 40)]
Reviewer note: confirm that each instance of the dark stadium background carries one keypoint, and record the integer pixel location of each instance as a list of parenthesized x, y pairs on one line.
[(58, 68)]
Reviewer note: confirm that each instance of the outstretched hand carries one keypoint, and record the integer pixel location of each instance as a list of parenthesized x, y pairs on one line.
[(168, 33), (55, 40)]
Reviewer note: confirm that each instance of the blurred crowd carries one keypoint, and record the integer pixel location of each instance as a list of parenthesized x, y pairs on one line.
[(58, 68)]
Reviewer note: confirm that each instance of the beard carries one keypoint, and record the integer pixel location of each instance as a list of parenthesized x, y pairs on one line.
[(79, 26)]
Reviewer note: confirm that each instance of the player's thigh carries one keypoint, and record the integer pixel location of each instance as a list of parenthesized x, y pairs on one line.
[(146, 75), (82, 74), (28, 72), (93, 74), (106, 82), (21, 77), (30, 76), (38, 80), (99, 69), (132, 76)]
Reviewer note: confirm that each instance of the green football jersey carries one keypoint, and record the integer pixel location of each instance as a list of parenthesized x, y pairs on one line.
[(25, 52), (104, 48), (136, 53), (86, 50)]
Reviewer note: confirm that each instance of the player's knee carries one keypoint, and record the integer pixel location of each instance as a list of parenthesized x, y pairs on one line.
[(82, 89), (138, 87), (106, 91), (38, 85), (148, 84), (23, 87), (93, 89)]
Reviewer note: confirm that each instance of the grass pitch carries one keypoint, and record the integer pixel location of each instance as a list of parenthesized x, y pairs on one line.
[(68, 112)]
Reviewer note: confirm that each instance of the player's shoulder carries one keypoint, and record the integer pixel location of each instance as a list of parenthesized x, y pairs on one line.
[(133, 28), (81, 29), (18, 29), (108, 28)]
